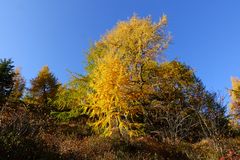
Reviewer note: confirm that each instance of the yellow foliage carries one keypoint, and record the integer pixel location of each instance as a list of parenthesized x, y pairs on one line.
[(19, 85), (109, 100), (44, 87), (136, 41), (235, 101), (120, 66)]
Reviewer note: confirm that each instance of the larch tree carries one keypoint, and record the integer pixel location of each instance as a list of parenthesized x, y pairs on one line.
[(109, 99), (119, 66), (44, 88), (18, 87), (180, 104), (169, 108), (235, 102)]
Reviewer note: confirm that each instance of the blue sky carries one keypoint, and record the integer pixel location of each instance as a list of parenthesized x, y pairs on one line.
[(206, 34)]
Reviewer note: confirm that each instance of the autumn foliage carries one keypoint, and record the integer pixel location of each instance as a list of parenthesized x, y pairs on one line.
[(235, 103), (131, 104)]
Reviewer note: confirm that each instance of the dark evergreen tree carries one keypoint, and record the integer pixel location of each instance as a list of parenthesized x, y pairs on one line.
[(6, 79)]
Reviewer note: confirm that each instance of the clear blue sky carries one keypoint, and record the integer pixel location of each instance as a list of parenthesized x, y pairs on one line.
[(206, 33)]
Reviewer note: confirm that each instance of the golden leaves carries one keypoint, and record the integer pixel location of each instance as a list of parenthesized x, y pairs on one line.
[(119, 68), (133, 40), (235, 101)]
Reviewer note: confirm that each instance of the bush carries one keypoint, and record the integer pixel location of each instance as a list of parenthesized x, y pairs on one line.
[(19, 137)]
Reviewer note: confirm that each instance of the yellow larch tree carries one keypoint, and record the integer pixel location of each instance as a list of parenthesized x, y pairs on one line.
[(108, 101), (120, 67), (18, 87), (43, 89), (235, 102)]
